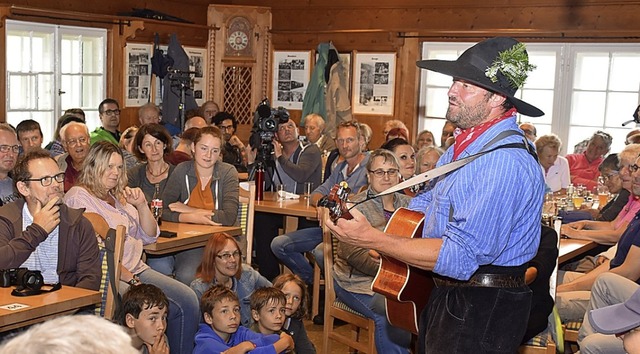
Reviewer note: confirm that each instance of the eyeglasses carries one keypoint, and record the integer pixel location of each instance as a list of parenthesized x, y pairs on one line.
[(74, 142), (225, 127), (609, 176), (6, 148), (380, 173), (47, 180), (112, 112), (634, 168), (227, 256)]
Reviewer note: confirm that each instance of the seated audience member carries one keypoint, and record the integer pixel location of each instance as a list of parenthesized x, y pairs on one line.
[(191, 122), (76, 112), (397, 133), (365, 136), (9, 150), (314, 131), (109, 110), (144, 315), (297, 296), (182, 152), (150, 144), (334, 158), (613, 312), (55, 147), (290, 248), (40, 233), (425, 138), (222, 332), (427, 158), (555, 168), (102, 189), (632, 136), (208, 110), (295, 165), (268, 310), (148, 113), (221, 264), (204, 190), (446, 138), (233, 150), (394, 123), (71, 334), (29, 135), (354, 269), (127, 147), (584, 166), (573, 292), (609, 232), (75, 140), (529, 131), (405, 154)]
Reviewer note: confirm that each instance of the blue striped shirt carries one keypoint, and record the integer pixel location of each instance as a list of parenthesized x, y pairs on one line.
[(497, 204), (45, 256)]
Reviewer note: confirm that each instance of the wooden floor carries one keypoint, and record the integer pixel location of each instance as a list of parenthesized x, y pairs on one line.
[(315, 335)]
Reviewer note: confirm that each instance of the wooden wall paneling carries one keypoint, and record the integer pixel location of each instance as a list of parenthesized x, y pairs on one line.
[(4, 12), (118, 37)]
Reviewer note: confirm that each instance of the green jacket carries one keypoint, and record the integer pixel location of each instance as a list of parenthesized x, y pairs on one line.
[(102, 134)]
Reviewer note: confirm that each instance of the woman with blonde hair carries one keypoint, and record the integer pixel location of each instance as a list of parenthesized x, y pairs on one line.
[(554, 167), (102, 189)]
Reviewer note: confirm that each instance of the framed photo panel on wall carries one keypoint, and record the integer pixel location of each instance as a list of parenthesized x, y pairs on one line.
[(291, 73), (374, 83)]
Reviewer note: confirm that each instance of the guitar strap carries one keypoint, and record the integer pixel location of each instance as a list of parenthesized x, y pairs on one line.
[(454, 165)]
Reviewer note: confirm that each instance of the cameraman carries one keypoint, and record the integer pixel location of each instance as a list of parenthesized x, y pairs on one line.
[(295, 165), (40, 233)]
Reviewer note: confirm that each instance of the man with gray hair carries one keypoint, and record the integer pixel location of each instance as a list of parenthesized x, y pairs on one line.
[(584, 166), (75, 141), (148, 113), (9, 149), (314, 129)]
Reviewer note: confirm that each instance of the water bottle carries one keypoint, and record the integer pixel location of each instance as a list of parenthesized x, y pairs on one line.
[(156, 205), (260, 183)]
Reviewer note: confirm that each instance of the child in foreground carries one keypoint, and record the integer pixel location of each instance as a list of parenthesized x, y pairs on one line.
[(268, 310), (222, 332), (144, 314), (295, 292)]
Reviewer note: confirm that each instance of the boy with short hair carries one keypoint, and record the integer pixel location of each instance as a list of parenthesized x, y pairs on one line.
[(144, 314), (268, 307), (222, 331)]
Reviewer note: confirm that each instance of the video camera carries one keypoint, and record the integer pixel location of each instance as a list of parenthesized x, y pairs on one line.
[(23, 278), (265, 126)]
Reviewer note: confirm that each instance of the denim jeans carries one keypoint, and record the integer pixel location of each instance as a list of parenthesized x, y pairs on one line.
[(389, 339), (184, 310), (180, 265), (290, 249), (461, 319)]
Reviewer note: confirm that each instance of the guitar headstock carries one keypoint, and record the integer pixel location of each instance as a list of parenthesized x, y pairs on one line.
[(336, 202)]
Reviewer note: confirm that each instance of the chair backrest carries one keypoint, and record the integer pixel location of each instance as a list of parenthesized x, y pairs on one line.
[(101, 228), (246, 213), (329, 249)]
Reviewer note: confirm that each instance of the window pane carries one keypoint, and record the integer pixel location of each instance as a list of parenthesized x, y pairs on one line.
[(93, 55), (71, 60), (544, 75), (92, 91), (619, 108), (22, 89), (437, 102), (591, 71), (625, 72), (587, 108), (45, 92), (434, 125), (41, 52), (542, 99), (45, 119), (578, 134), (71, 85)]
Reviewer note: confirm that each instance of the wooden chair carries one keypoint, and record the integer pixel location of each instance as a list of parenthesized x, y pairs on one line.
[(336, 309), (246, 213), (101, 228), (318, 282)]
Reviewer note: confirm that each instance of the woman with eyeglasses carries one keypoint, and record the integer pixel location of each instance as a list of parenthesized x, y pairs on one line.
[(222, 264), (554, 167), (354, 267), (102, 189)]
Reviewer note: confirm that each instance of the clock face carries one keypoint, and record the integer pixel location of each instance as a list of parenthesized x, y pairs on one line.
[(238, 40)]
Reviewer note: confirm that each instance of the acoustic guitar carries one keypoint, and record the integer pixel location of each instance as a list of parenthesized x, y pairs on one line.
[(406, 288)]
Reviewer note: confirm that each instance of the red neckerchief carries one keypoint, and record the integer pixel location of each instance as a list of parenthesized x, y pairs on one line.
[(464, 137)]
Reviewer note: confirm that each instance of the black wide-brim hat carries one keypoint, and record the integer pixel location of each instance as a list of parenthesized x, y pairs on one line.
[(473, 65)]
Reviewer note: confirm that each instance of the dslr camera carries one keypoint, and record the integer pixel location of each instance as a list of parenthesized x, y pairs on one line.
[(23, 278), (265, 126)]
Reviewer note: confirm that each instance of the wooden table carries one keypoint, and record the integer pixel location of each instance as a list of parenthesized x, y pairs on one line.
[(570, 248), (189, 236), (291, 209), (43, 307)]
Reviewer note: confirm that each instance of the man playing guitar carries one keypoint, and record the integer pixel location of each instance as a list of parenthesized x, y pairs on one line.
[(482, 221)]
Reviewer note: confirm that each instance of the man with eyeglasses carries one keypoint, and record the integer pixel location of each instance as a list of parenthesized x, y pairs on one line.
[(290, 248), (233, 149), (9, 150), (109, 110), (75, 141), (295, 165), (39, 232)]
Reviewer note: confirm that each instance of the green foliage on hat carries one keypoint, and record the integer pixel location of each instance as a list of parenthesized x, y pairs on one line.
[(513, 64)]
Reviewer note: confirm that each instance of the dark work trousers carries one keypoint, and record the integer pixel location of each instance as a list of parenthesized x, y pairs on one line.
[(474, 320), (265, 229)]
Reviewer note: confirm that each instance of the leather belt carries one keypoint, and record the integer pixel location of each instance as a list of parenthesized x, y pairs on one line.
[(484, 281)]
